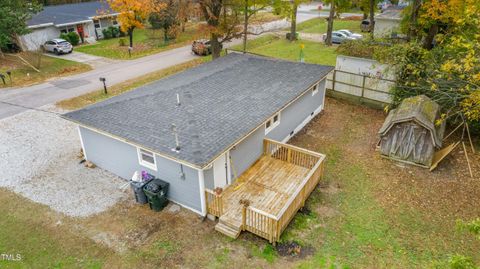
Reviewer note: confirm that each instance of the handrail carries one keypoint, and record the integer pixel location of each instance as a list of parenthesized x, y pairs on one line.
[(316, 154), (299, 189), (215, 204), (262, 212)]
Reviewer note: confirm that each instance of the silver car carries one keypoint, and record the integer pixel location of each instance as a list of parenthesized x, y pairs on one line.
[(338, 37), (58, 46), (351, 34)]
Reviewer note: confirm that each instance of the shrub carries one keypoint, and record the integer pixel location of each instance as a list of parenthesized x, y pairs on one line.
[(107, 34), (65, 36), (73, 38), (122, 42), (114, 30)]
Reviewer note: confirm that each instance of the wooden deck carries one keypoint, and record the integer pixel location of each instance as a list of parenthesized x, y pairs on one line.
[(265, 198), (267, 185)]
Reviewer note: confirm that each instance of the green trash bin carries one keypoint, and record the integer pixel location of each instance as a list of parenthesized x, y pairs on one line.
[(156, 192)]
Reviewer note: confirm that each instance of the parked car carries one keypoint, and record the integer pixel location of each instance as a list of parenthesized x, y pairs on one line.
[(351, 34), (202, 47), (365, 26), (58, 46), (338, 37)]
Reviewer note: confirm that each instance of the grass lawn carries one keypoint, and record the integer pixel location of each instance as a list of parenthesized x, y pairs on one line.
[(93, 97), (145, 42), (278, 47), (23, 75), (366, 213), (319, 25)]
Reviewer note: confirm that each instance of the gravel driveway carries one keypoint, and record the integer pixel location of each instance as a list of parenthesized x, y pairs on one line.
[(38, 153)]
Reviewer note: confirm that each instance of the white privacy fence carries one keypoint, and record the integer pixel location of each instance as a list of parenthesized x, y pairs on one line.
[(360, 77)]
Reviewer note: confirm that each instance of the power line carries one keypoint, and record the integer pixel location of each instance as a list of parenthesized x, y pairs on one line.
[(29, 108)]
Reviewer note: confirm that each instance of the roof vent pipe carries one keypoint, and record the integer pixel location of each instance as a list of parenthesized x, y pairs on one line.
[(177, 144), (178, 99)]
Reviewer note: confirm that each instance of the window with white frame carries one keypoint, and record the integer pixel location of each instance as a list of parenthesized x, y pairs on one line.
[(314, 89), (147, 159), (272, 123)]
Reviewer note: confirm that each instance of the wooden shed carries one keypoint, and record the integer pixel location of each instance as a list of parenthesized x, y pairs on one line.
[(409, 133)]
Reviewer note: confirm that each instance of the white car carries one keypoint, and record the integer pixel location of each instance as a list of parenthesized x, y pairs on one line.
[(58, 46), (338, 37), (351, 34)]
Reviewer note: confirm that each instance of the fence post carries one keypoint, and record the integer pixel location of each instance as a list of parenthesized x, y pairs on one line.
[(244, 216), (363, 85), (334, 78)]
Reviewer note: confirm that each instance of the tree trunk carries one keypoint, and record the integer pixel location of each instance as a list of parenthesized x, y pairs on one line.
[(428, 42), (331, 16), (293, 26), (1, 54), (215, 46), (130, 37), (372, 17), (245, 27), (412, 31), (165, 34)]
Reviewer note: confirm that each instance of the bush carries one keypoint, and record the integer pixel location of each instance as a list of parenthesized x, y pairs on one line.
[(122, 42), (107, 34), (73, 38), (114, 30), (65, 36)]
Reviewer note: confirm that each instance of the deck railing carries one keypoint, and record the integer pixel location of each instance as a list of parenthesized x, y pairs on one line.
[(269, 226), (214, 203)]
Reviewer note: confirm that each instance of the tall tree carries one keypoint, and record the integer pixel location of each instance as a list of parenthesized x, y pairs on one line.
[(164, 16), (372, 17), (250, 9), (133, 14), (331, 17), (223, 23), (14, 15)]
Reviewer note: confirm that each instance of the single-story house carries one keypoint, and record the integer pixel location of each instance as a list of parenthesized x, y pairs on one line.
[(86, 19), (387, 24), (207, 127)]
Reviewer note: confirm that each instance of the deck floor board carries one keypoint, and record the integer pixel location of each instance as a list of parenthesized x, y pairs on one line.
[(267, 184)]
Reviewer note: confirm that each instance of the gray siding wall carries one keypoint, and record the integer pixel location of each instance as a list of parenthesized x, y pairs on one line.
[(251, 148), (121, 159), (297, 112)]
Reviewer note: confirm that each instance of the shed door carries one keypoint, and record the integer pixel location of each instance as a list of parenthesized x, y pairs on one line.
[(220, 171)]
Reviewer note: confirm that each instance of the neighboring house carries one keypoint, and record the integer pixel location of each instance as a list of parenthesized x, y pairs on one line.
[(86, 19), (387, 24), (227, 110)]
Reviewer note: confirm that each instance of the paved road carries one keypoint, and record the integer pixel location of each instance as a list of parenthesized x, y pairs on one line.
[(68, 87)]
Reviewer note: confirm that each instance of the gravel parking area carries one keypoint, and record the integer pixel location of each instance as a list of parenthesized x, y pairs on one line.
[(38, 153)]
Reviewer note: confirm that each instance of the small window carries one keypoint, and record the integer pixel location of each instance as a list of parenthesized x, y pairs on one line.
[(147, 159), (71, 30), (63, 31), (272, 123), (115, 22), (315, 89), (96, 23)]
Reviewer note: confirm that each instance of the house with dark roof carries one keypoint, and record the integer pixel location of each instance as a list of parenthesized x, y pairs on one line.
[(216, 133), (387, 24), (87, 19)]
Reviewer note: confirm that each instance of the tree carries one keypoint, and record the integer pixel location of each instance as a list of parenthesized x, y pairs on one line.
[(14, 15), (336, 6), (165, 17), (223, 24), (372, 17), (132, 14)]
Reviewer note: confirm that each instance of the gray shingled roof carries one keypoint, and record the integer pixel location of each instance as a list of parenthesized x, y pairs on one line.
[(221, 102), (69, 13)]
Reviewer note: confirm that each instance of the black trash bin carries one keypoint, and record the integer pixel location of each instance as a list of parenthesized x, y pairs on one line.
[(156, 192), (137, 188)]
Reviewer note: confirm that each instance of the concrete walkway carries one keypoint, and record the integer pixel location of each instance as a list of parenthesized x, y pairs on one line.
[(80, 57)]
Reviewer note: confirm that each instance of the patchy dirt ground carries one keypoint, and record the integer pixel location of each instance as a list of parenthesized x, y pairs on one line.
[(368, 212)]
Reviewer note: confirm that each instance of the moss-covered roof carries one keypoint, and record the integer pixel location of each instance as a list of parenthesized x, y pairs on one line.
[(420, 109)]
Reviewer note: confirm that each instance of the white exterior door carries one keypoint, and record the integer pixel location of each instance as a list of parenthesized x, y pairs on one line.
[(220, 171)]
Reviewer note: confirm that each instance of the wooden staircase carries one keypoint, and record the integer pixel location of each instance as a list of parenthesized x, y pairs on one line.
[(228, 228)]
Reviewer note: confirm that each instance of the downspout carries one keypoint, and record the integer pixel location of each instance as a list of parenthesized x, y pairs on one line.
[(201, 179)]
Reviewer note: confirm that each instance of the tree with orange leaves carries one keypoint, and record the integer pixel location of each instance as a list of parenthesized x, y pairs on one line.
[(132, 14)]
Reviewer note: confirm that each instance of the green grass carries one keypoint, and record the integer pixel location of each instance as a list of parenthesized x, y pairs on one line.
[(319, 25), (273, 46), (145, 42), (50, 67), (268, 253)]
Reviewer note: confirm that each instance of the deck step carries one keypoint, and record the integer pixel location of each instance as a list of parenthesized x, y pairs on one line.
[(227, 230)]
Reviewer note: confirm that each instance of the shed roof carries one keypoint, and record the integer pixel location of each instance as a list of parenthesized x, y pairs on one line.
[(221, 102), (69, 13), (420, 109)]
